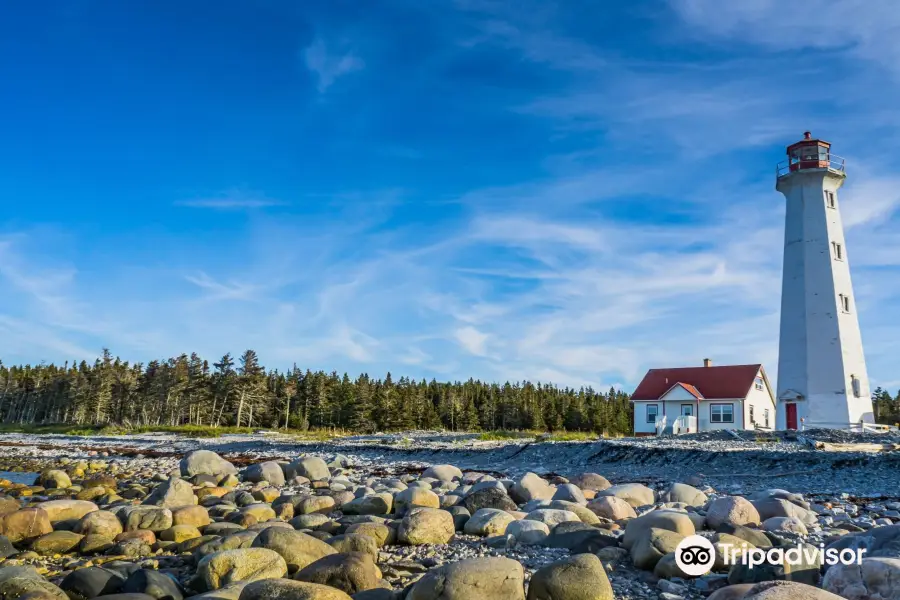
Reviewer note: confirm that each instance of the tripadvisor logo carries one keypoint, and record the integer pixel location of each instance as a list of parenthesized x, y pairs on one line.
[(695, 555)]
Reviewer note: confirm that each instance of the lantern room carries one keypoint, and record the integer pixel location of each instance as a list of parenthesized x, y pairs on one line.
[(810, 153)]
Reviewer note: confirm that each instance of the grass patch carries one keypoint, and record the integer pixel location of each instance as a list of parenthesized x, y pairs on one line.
[(60, 428), (540, 436), (194, 431)]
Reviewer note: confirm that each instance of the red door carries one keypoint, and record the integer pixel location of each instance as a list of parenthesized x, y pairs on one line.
[(791, 415)]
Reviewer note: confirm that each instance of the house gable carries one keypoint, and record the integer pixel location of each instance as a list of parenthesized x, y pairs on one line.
[(770, 391), (682, 391)]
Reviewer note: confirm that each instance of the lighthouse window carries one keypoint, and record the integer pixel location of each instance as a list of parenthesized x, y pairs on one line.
[(829, 198), (845, 302), (838, 251), (854, 383)]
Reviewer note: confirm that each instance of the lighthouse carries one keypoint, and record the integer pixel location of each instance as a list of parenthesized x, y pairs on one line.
[(822, 379)]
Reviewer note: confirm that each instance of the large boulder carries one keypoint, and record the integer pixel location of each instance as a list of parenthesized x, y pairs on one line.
[(652, 546), (748, 534), (296, 548), (785, 524), (579, 577), (25, 524), (242, 564), (878, 542), (426, 526), (152, 518), (29, 588), (488, 522), (531, 487), (443, 472), (99, 522), (874, 579), (381, 533), (9, 505), (206, 462), (350, 572), (269, 471), (354, 542), (314, 504), (552, 517), (54, 479), (57, 542), (670, 520), (731, 510), (90, 582), (783, 494), (731, 592), (584, 514), (580, 538), (195, 515), (375, 504), (172, 493), (472, 579), (285, 589), (569, 492), (413, 497), (635, 494), (591, 481), (152, 583), (788, 590), (684, 493), (528, 532), (64, 510), (778, 507), (311, 467), (610, 507), (489, 497)]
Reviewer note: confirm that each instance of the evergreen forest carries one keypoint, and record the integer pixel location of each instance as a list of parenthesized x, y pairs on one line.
[(188, 390)]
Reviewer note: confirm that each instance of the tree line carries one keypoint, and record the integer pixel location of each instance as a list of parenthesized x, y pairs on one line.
[(886, 407), (187, 390)]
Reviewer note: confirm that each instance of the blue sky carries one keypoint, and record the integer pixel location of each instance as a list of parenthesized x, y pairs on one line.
[(562, 192)]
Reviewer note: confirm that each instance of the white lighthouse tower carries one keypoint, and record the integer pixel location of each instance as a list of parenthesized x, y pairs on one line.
[(822, 379)]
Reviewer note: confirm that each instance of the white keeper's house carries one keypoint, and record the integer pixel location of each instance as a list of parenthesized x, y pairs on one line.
[(692, 399)]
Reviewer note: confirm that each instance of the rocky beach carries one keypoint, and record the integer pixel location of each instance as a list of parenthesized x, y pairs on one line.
[(431, 515)]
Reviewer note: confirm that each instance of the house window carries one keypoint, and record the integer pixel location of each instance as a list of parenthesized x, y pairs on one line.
[(844, 302), (829, 198), (766, 417), (752, 418), (721, 413), (837, 250), (758, 383), (652, 412), (854, 383)]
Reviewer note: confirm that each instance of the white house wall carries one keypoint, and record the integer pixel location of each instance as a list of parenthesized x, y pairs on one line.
[(640, 417), (705, 424), (760, 400)]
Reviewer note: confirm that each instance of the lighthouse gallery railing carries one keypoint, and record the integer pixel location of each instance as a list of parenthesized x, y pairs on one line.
[(810, 161)]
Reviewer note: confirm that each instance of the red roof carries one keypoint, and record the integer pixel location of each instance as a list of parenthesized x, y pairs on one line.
[(732, 381)]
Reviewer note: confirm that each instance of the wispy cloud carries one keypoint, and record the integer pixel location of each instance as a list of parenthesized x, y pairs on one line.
[(862, 28), (232, 200), (329, 64)]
